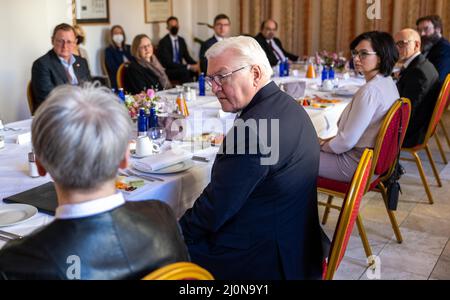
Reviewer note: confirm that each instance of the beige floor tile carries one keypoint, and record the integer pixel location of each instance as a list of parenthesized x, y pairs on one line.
[(433, 226), (446, 251), (437, 210), (422, 242), (387, 273), (398, 257), (379, 214), (350, 269), (442, 269)]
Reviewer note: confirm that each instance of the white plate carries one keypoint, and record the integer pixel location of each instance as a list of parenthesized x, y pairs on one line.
[(12, 214), (180, 167), (344, 93), (192, 85)]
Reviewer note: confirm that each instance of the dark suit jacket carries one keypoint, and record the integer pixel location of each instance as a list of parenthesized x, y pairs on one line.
[(138, 79), (420, 84), (113, 60), (439, 56), (175, 71), (48, 73), (270, 55), (125, 243), (205, 46), (255, 221)]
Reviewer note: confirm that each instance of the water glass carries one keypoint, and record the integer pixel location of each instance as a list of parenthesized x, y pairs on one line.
[(157, 135)]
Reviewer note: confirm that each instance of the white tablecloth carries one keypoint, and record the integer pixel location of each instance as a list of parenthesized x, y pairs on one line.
[(178, 190)]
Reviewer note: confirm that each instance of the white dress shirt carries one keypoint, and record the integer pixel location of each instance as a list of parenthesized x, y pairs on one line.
[(219, 38), (89, 208), (68, 66), (409, 61), (361, 120), (277, 49)]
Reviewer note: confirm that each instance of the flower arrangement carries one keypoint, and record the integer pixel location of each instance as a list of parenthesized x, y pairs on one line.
[(331, 59), (145, 100)]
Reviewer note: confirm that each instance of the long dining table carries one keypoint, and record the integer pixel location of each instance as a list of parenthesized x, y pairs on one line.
[(179, 190)]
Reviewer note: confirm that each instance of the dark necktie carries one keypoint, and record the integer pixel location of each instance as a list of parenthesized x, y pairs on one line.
[(279, 57)]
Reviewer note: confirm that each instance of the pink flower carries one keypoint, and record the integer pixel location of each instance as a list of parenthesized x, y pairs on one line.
[(150, 93)]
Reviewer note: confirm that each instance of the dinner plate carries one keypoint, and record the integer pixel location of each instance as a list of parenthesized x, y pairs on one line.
[(344, 93), (180, 167), (13, 214)]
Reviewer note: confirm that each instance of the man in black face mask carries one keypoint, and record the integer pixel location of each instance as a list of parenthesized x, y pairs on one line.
[(173, 54), (434, 46)]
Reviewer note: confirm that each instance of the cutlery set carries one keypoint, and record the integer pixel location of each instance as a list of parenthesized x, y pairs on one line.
[(8, 236)]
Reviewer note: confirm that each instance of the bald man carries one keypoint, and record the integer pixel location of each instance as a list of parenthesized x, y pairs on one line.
[(271, 45), (419, 82)]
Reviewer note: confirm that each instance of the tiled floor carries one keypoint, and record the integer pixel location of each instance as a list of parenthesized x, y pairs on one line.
[(425, 251)]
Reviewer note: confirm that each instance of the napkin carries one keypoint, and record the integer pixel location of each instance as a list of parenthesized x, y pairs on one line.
[(163, 160)]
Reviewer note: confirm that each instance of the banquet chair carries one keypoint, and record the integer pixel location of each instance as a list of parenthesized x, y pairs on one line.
[(387, 148), (180, 271), (435, 119), (30, 98), (121, 76), (348, 215)]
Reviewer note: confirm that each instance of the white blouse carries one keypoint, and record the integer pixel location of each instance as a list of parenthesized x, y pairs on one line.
[(360, 122)]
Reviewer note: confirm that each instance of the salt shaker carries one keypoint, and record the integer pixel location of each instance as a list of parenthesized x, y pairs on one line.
[(32, 165)]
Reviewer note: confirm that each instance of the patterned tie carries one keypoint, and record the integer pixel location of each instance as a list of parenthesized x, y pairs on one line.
[(279, 57), (176, 54)]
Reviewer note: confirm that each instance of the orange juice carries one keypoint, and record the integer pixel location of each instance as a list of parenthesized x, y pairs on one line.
[(182, 106), (311, 73)]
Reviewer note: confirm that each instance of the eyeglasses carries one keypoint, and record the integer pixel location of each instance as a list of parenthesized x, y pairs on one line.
[(363, 54), (403, 44), (218, 79), (62, 42), (222, 25), (145, 47)]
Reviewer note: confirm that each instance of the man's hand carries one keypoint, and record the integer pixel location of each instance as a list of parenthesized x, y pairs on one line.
[(194, 68)]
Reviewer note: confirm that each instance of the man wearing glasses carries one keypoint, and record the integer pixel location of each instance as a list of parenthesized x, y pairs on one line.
[(434, 46), (419, 82), (59, 66), (257, 219), (222, 26)]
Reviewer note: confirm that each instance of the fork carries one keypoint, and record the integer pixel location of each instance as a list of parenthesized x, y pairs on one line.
[(6, 236)]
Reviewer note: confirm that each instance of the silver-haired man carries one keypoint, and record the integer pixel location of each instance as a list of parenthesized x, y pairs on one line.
[(258, 218), (80, 137)]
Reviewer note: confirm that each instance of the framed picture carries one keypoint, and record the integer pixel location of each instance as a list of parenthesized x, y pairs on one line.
[(157, 10), (91, 11)]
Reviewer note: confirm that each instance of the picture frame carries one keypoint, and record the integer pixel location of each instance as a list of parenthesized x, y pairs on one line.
[(91, 11), (157, 11)]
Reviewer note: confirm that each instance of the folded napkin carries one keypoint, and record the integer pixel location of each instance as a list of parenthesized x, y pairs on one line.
[(163, 160)]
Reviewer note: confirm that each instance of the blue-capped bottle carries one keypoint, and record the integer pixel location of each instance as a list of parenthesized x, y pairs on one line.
[(281, 67), (286, 68), (201, 85), (331, 73), (324, 74), (153, 120), (121, 95), (142, 123)]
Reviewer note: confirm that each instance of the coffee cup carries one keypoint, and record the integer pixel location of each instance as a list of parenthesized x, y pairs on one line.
[(145, 147)]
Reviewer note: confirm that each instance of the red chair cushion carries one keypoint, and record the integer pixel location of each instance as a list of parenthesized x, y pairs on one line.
[(339, 186)]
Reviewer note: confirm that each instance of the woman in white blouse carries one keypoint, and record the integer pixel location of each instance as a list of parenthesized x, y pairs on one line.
[(374, 55)]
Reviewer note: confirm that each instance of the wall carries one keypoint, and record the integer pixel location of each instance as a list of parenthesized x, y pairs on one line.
[(26, 27)]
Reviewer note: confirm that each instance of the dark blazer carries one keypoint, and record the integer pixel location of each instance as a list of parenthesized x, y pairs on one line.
[(439, 56), (48, 72), (113, 60), (255, 221), (205, 46), (138, 79), (270, 55), (420, 84), (175, 71), (125, 243)]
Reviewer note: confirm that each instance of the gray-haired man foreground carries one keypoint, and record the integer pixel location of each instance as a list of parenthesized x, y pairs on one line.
[(80, 137)]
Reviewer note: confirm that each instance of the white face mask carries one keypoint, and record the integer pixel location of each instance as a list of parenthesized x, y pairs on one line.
[(118, 39)]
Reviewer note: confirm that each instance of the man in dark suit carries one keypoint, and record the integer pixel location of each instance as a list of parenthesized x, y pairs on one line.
[(272, 45), (95, 234), (59, 66), (419, 82), (174, 56), (222, 25), (258, 218), (435, 47)]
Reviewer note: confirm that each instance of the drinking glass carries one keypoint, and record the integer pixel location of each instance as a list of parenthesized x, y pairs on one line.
[(157, 135)]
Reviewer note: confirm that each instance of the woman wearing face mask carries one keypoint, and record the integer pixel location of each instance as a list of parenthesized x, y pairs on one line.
[(117, 53), (81, 39), (145, 71)]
